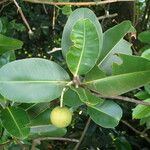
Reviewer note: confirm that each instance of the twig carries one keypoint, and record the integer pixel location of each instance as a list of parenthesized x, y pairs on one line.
[(132, 100), (122, 98), (107, 16), (83, 134), (142, 134), (76, 3), (23, 17), (38, 140), (55, 49), (6, 143), (3, 1)]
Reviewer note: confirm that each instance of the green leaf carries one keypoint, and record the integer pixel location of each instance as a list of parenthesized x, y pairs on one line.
[(15, 121), (122, 144), (144, 37), (146, 54), (145, 121), (6, 58), (42, 119), (32, 80), (141, 111), (107, 114), (134, 72), (112, 37), (34, 109), (72, 99), (142, 95), (147, 88), (66, 10), (78, 14), (46, 131), (122, 47), (1, 25), (9, 44), (84, 53), (87, 97)]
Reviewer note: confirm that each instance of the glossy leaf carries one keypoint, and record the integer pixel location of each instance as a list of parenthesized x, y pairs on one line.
[(134, 72), (142, 95), (107, 114), (34, 109), (42, 119), (32, 80), (78, 14), (15, 121), (122, 47), (8, 44), (144, 37), (87, 97), (146, 54), (112, 37), (72, 99), (46, 131), (141, 111), (84, 53)]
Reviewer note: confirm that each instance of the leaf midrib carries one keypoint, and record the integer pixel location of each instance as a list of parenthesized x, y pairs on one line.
[(103, 113), (83, 47), (44, 81), (108, 77), (15, 121)]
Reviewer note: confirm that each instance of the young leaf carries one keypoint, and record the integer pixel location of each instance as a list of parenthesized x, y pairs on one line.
[(107, 114), (87, 97), (32, 80), (9, 44), (15, 121), (46, 131), (144, 37), (134, 72), (141, 111), (78, 14), (84, 53)]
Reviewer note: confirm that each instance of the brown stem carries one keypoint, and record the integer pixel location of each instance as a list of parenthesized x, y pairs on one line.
[(38, 140), (83, 134), (76, 3), (142, 134), (107, 16), (122, 98), (22, 16)]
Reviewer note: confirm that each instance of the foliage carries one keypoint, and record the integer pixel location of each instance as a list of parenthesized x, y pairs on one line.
[(96, 65)]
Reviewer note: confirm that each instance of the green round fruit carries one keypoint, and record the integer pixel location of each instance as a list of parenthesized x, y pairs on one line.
[(61, 117)]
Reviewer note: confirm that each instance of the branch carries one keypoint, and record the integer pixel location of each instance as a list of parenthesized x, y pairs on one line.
[(23, 17), (55, 49), (76, 3), (38, 140), (83, 134), (142, 134), (122, 98), (107, 16)]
